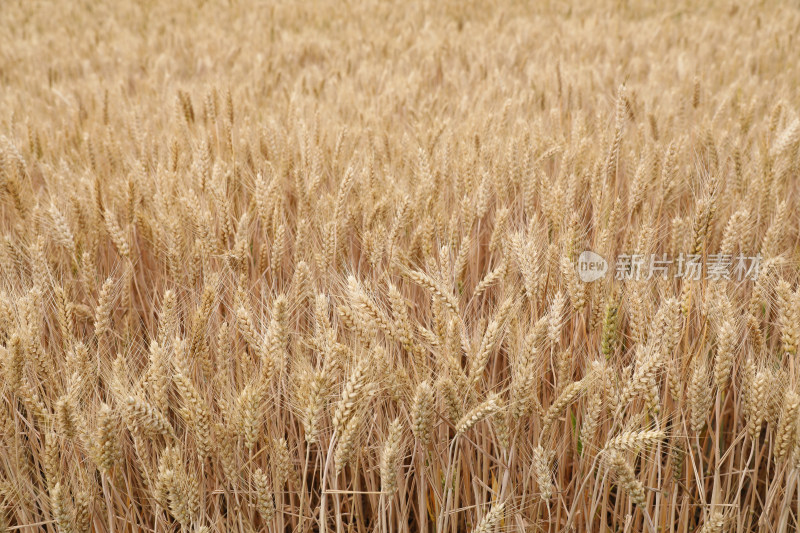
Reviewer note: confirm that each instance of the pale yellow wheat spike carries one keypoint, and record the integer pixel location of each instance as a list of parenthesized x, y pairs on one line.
[(724, 357), (117, 235), (634, 441), (106, 442), (264, 498), (422, 279), (541, 468), (714, 524), (491, 519), (591, 417), (368, 309), (486, 408), (565, 397), (626, 477), (422, 414), (144, 417), (390, 457), (313, 405), (490, 337), (102, 321), (786, 433), (60, 503), (353, 391), (249, 410), (699, 396), (345, 446), (196, 410)]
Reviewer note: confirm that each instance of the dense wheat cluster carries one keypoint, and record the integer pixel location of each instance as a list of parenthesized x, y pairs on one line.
[(310, 266)]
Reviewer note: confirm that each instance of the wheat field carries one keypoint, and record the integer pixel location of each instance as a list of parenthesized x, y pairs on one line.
[(328, 267)]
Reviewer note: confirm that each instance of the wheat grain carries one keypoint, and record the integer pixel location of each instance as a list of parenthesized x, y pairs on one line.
[(492, 518), (264, 499), (626, 477), (422, 413), (484, 409), (566, 397), (699, 396), (390, 456)]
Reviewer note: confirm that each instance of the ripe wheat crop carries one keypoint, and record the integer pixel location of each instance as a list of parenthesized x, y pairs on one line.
[(399, 267)]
